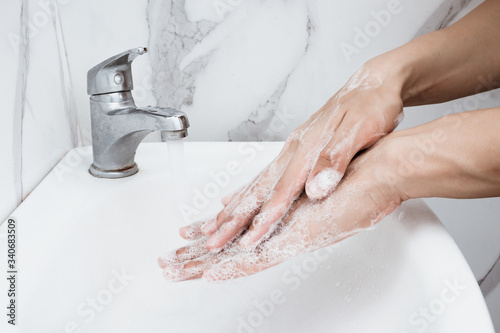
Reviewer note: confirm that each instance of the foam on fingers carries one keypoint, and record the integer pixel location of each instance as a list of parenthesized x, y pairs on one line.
[(179, 272), (192, 251), (209, 228), (193, 231), (323, 183), (224, 271)]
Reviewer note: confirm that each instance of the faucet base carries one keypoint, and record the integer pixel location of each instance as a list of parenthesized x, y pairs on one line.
[(113, 174)]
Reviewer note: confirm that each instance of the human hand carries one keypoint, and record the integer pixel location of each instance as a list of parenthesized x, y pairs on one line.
[(314, 158), (361, 200)]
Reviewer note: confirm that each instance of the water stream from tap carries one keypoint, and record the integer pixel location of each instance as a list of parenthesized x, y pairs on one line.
[(178, 171)]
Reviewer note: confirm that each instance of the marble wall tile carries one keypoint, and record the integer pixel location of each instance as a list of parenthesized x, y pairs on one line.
[(10, 97), (49, 126), (244, 68)]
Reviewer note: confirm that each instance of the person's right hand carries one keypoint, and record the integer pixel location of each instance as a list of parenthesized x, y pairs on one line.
[(315, 156)]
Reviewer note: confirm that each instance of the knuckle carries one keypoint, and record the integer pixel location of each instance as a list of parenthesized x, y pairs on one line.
[(325, 157), (294, 136), (191, 264), (221, 217), (373, 126), (279, 187)]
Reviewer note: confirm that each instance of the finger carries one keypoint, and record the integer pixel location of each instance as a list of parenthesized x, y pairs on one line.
[(291, 169), (185, 271), (292, 238), (194, 269), (350, 137), (260, 185), (239, 216), (245, 201), (242, 216), (246, 208), (243, 263), (291, 183), (211, 227), (228, 198), (297, 234), (231, 269), (237, 268), (233, 227), (287, 189), (190, 252), (234, 262), (289, 186), (193, 231)]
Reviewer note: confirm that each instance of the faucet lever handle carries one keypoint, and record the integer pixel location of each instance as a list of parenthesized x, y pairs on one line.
[(113, 74)]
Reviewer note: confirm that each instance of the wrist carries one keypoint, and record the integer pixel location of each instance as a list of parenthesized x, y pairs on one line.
[(389, 171), (378, 167), (396, 70)]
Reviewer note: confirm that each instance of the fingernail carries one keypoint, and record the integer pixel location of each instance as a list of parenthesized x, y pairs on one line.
[(179, 272), (209, 227), (186, 231), (225, 200), (190, 233), (168, 259), (323, 183)]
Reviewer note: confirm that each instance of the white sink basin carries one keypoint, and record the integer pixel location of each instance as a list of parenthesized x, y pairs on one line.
[(88, 248)]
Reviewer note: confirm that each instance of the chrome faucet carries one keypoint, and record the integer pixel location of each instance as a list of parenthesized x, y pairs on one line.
[(118, 125)]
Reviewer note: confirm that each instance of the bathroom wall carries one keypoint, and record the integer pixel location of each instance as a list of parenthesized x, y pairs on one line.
[(242, 70), (39, 125), (10, 195)]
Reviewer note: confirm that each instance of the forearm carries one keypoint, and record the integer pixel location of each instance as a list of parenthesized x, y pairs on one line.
[(457, 156), (458, 61)]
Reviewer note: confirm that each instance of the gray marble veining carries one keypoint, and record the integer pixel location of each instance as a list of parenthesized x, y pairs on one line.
[(172, 36), (67, 88), (19, 106)]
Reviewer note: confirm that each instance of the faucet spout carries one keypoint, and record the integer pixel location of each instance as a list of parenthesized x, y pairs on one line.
[(172, 123), (118, 127)]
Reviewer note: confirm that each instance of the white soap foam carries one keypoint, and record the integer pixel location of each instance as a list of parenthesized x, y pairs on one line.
[(323, 183)]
